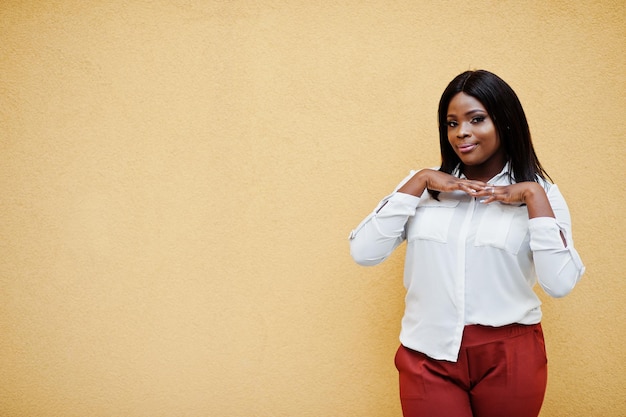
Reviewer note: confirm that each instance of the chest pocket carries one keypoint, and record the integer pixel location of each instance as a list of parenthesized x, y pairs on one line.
[(503, 226), (432, 220)]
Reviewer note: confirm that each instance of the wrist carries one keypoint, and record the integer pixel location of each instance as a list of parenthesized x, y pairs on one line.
[(537, 201), (416, 185), (532, 192)]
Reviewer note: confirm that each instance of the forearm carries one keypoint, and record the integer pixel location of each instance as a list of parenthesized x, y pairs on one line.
[(558, 267), (557, 263), (416, 185), (538, 204), (537, 201), (383, 230)]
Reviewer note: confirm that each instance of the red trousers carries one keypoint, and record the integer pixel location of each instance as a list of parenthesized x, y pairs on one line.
[(500, 372)]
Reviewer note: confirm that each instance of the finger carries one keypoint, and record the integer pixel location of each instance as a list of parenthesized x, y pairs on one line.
[(490, 192), (485, 192), (469, 188), (477, 184)]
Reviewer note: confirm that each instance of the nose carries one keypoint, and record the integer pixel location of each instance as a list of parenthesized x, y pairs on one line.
[(463, 130)]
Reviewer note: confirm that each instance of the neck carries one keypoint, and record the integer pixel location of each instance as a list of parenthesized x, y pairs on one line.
[(481, 173)]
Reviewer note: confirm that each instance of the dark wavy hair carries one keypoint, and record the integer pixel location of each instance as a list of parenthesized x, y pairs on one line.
[(508, 116)]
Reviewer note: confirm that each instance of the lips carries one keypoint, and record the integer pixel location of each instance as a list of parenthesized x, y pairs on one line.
[(466, 147)]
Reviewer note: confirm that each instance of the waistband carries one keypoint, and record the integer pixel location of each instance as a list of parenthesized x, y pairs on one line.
[(475, 334)]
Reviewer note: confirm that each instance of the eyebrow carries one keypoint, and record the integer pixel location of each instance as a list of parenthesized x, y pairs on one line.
[(469, 113)]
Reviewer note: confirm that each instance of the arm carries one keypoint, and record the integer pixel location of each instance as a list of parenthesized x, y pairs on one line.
[(538, 204), (383, 230), (557, 264)]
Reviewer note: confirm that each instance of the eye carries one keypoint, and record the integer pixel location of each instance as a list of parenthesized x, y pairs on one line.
[(478, 119), (452, 123)]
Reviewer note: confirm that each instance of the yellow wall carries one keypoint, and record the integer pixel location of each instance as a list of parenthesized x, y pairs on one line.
[(178, 180)]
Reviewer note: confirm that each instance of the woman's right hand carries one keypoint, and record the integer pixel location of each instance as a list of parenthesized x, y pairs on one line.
[(439, 181)]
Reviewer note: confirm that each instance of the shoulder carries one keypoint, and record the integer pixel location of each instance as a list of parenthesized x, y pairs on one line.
[(412, 173)]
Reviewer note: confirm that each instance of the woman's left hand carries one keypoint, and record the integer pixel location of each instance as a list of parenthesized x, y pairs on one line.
[(530, 193), (508, 194)]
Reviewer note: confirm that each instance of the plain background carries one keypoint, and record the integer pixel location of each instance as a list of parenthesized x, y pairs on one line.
[(178, 180)]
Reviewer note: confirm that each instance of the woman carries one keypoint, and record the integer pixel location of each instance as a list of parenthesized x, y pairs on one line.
[(481, 230)]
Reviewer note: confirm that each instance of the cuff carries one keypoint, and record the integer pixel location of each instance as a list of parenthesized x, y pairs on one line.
[(544, 233)]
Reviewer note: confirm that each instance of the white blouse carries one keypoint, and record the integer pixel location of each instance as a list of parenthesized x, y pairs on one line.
[(468, 262)]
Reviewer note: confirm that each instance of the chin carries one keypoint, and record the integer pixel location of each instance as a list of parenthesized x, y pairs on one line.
[(469, 161)]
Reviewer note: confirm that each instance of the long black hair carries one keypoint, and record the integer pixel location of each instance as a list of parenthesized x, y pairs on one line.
[(505, 109)]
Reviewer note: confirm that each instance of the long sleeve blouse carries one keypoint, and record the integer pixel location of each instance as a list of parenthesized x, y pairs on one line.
[(467, 262)]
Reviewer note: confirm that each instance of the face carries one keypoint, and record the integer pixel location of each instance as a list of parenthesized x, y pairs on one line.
[(473, 136)]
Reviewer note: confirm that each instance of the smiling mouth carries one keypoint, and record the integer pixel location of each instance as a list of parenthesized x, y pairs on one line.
[(466, 147)]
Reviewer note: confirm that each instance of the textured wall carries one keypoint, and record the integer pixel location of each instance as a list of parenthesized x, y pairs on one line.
[(178, 180)]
